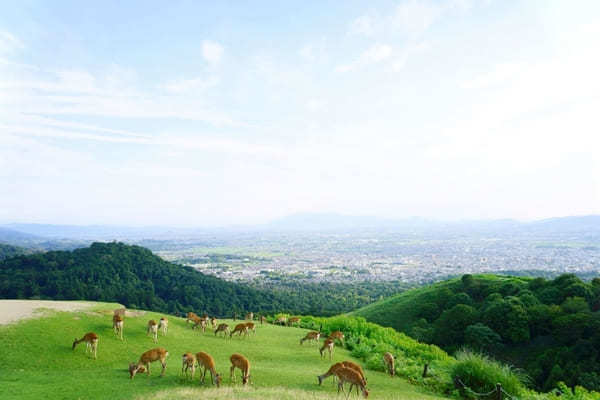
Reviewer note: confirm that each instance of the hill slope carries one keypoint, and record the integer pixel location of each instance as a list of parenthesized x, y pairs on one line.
[(281, 368)]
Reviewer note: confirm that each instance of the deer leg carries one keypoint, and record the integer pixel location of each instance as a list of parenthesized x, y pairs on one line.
[(148, 368), (231, 374), (164, 366)]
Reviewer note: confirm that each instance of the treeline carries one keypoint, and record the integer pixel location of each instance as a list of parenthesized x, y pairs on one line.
[(136, 278), (7, 251), (549, 327)]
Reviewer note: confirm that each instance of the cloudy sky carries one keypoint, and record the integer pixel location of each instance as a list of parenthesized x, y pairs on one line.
[(194, 113)]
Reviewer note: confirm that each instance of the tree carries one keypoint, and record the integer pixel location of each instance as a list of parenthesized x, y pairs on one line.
[(481, 337)]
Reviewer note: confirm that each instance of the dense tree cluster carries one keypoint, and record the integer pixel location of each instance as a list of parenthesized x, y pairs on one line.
[(7, 251), (133, 276), (549, 327)]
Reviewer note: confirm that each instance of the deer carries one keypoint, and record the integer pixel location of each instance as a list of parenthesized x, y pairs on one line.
[(222, 328), (191, 316), (337, 335), (241, 362), (163, 325), (331, 371), (263, 319), (199, 322), (152, 329), (213, 323), (353, 377), (312, 336), (188, 361), (239, 328), (250, 316), (327, 345), (120, 311), (206, 361), (91, 342), (281, 321), (118, 325), (388, 360), (356, 367), (250, 327), (293, 321), (157, 354)]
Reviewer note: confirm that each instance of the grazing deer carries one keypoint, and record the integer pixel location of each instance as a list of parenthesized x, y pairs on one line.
[(118, 325), (331, 371), (206, 361), (356, 367), (388, 360), (251, 327), (152, 329), (353, 377), (199, 322), (293, 321), (250, 316), (213, 323), (191, 316), (337, 335), (188, 361), (239, 328), (91, 342), (327, 345), (163, 325), (312, 336), (263, 319), (157, 354), (241, 362), (222, 328), (281, 321)]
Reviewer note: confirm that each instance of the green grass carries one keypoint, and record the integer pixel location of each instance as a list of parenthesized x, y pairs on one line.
[(36, 361)]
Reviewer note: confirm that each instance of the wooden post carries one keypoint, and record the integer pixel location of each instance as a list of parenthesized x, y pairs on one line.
[(498, 391), (425, 368)]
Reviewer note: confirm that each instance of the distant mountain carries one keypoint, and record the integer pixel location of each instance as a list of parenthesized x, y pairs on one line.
[(568, 224), (12, 236), (332, 221)]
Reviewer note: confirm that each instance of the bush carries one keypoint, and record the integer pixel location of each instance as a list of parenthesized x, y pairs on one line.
[(480, 374)]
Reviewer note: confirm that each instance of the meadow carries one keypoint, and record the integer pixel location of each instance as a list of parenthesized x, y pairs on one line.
[(36, 361)]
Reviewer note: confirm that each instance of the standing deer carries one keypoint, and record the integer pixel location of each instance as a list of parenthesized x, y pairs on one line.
[(250, 327), (263, 319), (91, 342), (356, 367), (281, 321), (293, 321), (250, 316), (222, 328), (337, 335), (152, 329), (327, 345), (188, 362), (206, 361), (163, 325), (241, 362), (191, 316), (239, 328), (388, 360), (213, 323), (118, 325), (312, 336), (353, 377), (157, 354), (120, 311)]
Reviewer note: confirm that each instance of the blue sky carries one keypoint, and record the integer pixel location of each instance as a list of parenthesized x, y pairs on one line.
[(190, 113)]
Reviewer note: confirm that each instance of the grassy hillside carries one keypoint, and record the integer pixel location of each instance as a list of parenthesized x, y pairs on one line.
[(36, 361)]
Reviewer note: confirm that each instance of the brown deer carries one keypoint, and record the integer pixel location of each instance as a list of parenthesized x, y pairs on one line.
[(191, 316), (356, 367), (353, 377), (388, 360), (312, 336), (241, 362), (331, 371), (250, 316), (327, 345), (281, 321), (118, 325), (239, 328), (250, 327), (163, 325), (188, 361), (152, 329), (222, 328), (120, 311), (263, 319), (91, 342), (157, 354), (337, 335), (199, 322), (213, 323), (293, 321), (206, 361)]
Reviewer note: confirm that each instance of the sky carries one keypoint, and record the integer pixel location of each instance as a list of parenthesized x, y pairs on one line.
[(188, 113)]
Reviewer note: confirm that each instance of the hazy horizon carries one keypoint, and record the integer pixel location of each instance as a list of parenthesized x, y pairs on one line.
[(191, 114)]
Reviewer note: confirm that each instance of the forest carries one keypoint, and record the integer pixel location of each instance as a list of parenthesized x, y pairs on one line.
[(137, 278)]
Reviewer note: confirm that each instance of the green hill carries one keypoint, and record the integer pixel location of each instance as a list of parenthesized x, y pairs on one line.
[(7, 251), (36, 361), (551, 328)]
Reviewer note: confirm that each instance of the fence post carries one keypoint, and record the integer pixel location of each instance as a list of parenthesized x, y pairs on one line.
[(498, 391)]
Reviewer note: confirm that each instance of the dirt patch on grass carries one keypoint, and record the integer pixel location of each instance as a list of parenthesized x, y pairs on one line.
[(15, 310)]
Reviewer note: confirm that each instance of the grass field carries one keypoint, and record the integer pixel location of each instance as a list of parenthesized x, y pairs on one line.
[(36, 361)]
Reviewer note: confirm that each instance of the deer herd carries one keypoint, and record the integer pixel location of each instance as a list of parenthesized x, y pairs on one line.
[(344, 372)]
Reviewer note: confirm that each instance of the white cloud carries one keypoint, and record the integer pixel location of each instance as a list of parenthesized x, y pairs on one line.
[(212, 51), (187, 85), (9, 43), (373, 55), (415, 17)]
